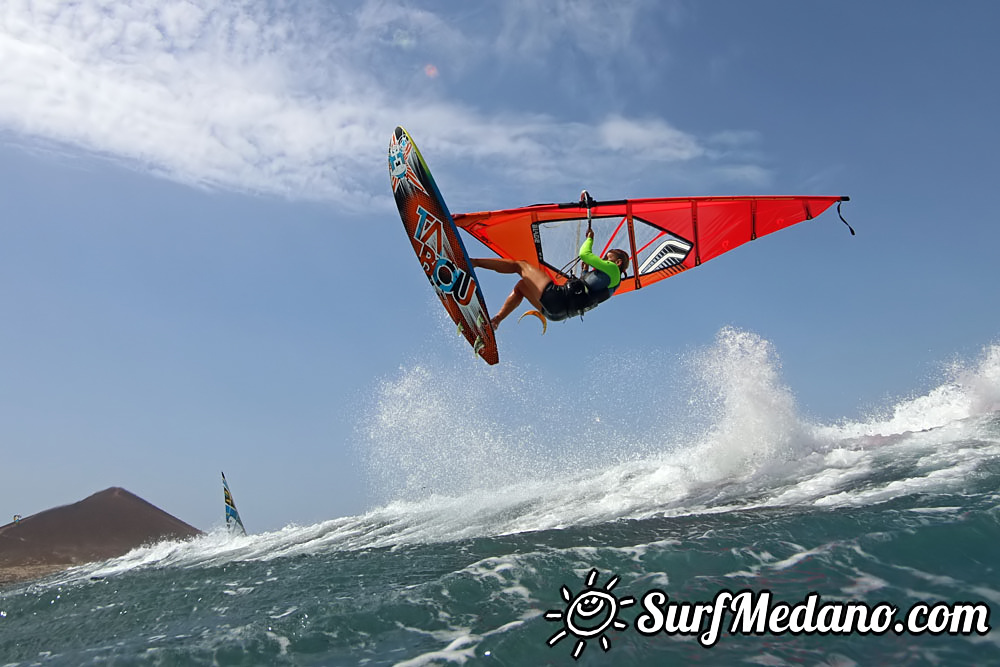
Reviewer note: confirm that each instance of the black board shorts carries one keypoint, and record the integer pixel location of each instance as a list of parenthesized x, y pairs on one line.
[(555, 302)]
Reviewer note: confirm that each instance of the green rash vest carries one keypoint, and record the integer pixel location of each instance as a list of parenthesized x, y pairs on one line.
[(603, 265)]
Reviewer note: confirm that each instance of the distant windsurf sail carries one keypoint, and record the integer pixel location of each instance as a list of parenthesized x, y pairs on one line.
[(662, 237), (233, 522)]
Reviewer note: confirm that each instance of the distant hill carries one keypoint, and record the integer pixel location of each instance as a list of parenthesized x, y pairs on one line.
[(107, 524)]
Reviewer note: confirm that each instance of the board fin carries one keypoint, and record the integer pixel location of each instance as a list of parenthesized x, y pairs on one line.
[(541, 317)]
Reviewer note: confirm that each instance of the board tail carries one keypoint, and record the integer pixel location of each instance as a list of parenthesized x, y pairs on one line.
[(233, 521)]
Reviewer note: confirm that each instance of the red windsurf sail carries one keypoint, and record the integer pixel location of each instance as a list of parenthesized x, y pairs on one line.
[(662, 237)]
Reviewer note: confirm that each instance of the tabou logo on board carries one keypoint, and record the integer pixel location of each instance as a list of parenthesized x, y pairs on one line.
[(440, 269)]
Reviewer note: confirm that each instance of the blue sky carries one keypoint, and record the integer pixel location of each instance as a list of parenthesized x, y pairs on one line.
[(201, 266)]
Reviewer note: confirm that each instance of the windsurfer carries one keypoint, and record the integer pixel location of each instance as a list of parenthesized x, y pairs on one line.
[(558, 302)]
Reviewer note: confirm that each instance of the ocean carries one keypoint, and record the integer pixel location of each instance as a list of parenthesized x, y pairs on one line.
[(514, 531)]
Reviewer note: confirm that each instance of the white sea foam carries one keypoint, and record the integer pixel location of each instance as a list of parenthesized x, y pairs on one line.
[(969, 389), (462, 457), (752, 447)]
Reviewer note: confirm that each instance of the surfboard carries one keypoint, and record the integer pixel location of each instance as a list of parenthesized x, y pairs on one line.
[(438, 246)]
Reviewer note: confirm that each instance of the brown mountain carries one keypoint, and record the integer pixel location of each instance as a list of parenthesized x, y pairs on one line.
[(107, 524)]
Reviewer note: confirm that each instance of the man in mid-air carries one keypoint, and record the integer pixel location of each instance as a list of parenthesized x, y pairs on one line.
[(558, 302)]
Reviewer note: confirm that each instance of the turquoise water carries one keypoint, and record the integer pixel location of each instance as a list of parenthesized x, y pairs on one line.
[(901, 508)]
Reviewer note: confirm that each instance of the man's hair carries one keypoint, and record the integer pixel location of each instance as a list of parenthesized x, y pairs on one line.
[(622, 255)]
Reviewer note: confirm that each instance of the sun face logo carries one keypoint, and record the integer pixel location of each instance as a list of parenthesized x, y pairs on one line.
[(400, 170), (589, 613)]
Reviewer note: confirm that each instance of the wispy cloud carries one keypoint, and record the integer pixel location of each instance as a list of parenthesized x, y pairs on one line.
[(202, 93), (529, 28), (651, 139), (297, 98)]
